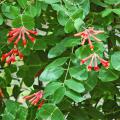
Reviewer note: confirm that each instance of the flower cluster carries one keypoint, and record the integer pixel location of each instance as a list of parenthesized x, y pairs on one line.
[(36, 99), (21, 33), (15, 35), (86, 34), (94, 58), (10, 57)]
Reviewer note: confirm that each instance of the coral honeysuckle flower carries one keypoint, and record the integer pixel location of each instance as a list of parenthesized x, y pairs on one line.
[(87, 33), (94, 58), (10, 57), (35, 98), (1, 93), (41, 104), (21, 33)]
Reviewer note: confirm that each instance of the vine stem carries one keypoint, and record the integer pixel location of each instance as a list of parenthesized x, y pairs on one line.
[(67, 70), (112, 112)]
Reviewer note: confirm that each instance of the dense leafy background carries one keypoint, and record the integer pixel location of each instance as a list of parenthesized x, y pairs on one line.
[(52, 63)]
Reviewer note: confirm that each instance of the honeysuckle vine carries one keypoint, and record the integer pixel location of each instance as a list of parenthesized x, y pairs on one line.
[(94, 58), (59, 60), (18, 34), (87, 33)]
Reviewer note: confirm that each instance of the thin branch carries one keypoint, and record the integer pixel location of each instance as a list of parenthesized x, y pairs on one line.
[(67, 70)]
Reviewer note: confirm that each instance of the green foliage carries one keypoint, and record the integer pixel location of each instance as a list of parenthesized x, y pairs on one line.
[(24, 20), (14, 111), (49, 111), (53, 62)]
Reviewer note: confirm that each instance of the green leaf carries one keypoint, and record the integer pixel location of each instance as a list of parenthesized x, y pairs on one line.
[(51, 74), (31, 11), (5, 78), (39, 45), (86, 7), (29, 77), (85, 51), (97, 2), (31, 68), (22, 3), (91, 82), (116, 11), (69, 27), (10, 11), (94, 113), (25, 21), (1, 20), (107, 75), (62, 18), (62, 46), (21, 113), (49, 111), (2, 82), (75, 86), (102, 37), (38, 6), (58, 62), (59, 94), (112, 1), (53, 71), (56, 51), (70, 42), (78, 114), (78, 22), (74, 96), (78, 73), (51, 1), (14, 111), (106, 12), (51, 88), (115, 60)]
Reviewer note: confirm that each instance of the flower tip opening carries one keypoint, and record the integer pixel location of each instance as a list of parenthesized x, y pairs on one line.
[(89, 68), (96, 68), (91, 47), (82, 62), (106, 64)]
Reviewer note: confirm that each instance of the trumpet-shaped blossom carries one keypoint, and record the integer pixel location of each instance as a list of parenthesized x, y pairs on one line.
[(16, 34), (35, 99), (1, 93), (94, 58), (86, 34), (10, 57)]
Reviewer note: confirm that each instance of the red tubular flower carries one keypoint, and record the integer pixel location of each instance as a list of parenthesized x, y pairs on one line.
[(96, 68), (86, 34), (21, 33), (1, 93), (41, 104), (10, 56), (104, 62), (35, 98), (86, 59), (89, 67), (94, 58)]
